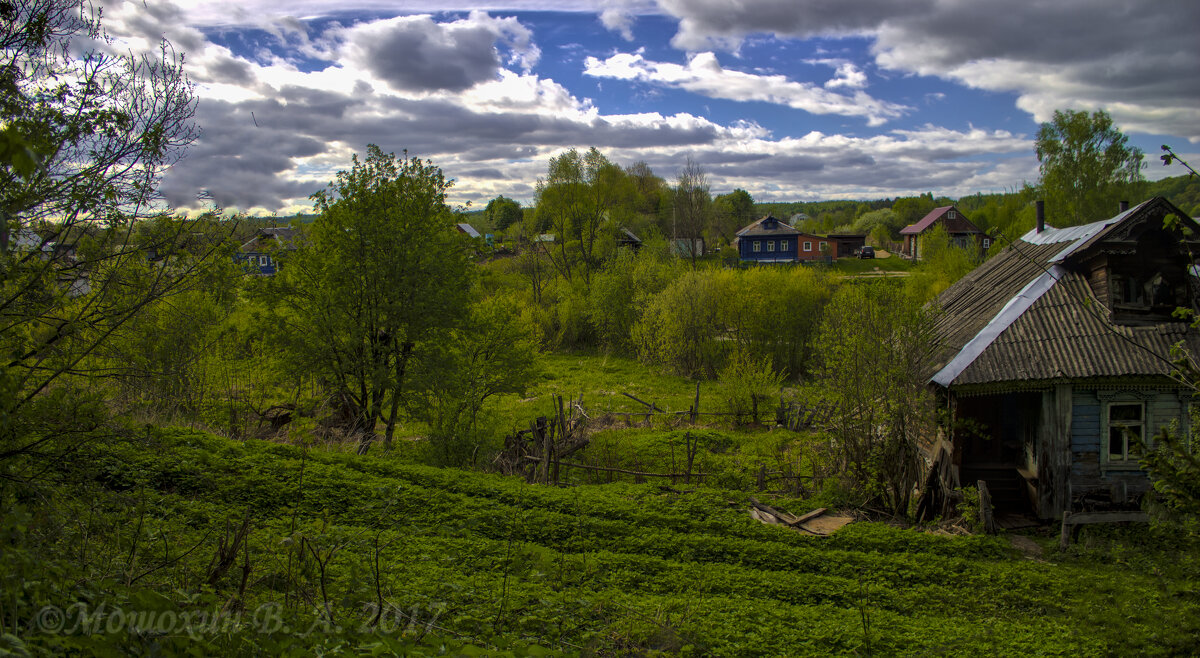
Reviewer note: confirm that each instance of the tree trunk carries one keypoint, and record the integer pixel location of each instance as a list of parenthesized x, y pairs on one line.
[(401, 366)]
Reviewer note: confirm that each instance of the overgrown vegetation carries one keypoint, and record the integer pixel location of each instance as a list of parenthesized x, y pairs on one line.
[(330, 493)]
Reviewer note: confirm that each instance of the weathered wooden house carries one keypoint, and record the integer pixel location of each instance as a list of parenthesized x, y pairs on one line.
[(770, 240), (260, 254), (1056, 355), (626, 238), (962, 232), (467, 230)]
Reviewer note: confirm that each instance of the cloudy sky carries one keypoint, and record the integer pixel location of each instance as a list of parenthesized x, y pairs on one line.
[(788, 99)]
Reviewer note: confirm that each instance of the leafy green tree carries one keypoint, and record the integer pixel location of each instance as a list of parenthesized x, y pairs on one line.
[(650, 193), (502, 212), (943, 263), (875, 343), (910, 210), (87, 133), (622, 290), (883, 223), (493, 353), (747, 386), (731, 212), (380, 277), (692, 206), (1087, 166), (680, 328), (577, 199)]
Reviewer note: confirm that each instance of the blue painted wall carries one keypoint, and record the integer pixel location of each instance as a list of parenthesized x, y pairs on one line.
[(746, 248), (253, 262)]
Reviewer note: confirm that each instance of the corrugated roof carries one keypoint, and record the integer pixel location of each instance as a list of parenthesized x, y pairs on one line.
[(757, 229), (1060, 337), (271, 237), (1027, 315)]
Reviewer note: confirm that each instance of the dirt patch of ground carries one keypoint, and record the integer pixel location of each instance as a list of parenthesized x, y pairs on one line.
[(1029, 548)]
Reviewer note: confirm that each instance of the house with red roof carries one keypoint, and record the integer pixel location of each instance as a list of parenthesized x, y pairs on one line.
[(962, 232)]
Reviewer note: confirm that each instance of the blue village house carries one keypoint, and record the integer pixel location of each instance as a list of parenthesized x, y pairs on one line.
[(770, 240), (260, 254), (1055, 358)]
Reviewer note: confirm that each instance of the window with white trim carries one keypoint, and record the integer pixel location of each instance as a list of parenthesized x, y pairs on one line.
[(770, 245), (808, 246), (1126, 429), (783, 245), (757, 246), (951, 214), (262, 261), (987, 243)]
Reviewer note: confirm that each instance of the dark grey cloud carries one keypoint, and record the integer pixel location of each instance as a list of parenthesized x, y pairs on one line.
[(480, 174), (227, 70), (1139, 60), (415, 53), (420, 56), (705, 24), (162, 20), (247, 148), (239, 164)]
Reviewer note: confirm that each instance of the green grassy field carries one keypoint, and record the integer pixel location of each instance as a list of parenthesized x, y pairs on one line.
[(852, 266), (464, 563)]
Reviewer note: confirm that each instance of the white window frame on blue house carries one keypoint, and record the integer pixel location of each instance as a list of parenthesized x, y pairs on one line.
[(262, 261), (783, 245), (757, 246), (770, 245), (1127, 459)]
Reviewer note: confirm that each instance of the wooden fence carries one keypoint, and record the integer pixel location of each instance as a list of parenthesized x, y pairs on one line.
[(540, 453)]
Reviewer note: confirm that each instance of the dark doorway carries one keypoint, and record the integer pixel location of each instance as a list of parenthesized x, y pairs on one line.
[(994, 438)]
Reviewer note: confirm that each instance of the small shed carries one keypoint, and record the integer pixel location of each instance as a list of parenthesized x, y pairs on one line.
[(467, 229), (626, 238), (847, 244)]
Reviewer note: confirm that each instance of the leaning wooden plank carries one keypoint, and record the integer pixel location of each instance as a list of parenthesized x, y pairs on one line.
[(648, 404), (1064, 537), (811, 515), (782, 516), (763, 517)]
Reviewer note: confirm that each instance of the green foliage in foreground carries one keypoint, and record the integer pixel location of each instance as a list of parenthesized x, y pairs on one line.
[(472, 563)]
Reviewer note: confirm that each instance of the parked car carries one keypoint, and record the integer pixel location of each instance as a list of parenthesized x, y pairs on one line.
[(866, 252)]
